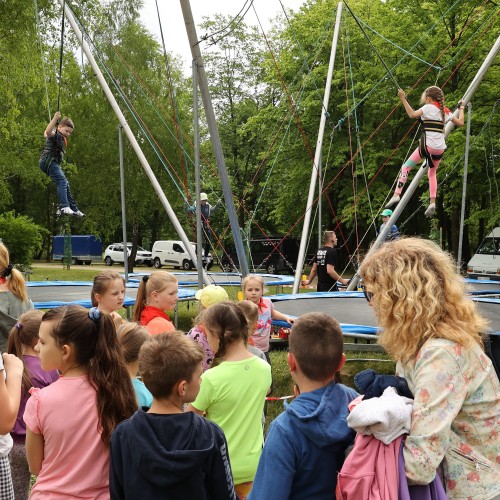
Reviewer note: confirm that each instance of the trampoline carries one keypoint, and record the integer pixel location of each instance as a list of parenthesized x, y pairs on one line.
[(48, 294), (223, 279), (355, 315), (483, 287)]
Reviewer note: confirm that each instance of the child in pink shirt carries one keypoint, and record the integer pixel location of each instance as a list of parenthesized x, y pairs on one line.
[(69, 423)]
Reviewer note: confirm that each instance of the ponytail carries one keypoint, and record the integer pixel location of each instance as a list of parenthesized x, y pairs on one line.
[(93, 337), (438, 95), (140, 300), (157, 281), (107, 372), (16, 282), (228, 323), (24, 333)]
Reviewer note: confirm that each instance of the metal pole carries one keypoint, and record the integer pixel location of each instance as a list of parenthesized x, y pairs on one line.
[(488, 61), (197, 180), (320, 201), (214, 134), (464, 189), (124, 215), (317, 155), (132, 139)]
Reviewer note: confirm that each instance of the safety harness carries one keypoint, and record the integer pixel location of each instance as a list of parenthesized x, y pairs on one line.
[(430, 126), (55, 149)]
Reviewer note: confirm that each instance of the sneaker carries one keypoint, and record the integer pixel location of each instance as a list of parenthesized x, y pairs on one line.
[(66, 211), (395, 199), (430, 210), (79, 214)]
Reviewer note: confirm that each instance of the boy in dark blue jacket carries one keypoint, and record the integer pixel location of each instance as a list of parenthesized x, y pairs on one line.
[(305, 445), (162, 452)]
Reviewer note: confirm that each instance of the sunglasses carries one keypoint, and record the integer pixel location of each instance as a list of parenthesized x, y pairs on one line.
[(368, 295)]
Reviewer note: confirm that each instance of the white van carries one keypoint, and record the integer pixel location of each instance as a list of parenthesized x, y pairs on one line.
[(486, 261), (173, 253)]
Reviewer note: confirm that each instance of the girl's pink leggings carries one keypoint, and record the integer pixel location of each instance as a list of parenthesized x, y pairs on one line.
[(431, 172)]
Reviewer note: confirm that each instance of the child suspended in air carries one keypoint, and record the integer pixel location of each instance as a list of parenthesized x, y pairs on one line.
[(56, 138), (434, 115)]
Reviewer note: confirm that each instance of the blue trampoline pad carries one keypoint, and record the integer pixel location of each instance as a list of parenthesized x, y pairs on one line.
[(48, 294), (223, 279), (351, 308)]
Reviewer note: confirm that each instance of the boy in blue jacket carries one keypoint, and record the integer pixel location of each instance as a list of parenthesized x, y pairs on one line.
[(164, 452), (305, 445)]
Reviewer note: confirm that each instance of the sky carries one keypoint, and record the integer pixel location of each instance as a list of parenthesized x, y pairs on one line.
[(174, 29)]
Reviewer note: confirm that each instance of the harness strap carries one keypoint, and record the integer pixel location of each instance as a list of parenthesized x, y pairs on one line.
[(433, 126), (424, 152)]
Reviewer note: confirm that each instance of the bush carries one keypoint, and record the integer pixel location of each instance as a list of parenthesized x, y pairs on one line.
[(21, 236)]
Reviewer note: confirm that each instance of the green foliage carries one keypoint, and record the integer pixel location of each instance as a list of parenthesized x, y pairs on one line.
[(21, 236), (267, 94)]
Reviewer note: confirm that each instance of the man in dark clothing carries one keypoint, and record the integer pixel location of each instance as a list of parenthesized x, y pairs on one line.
[(325, 262)]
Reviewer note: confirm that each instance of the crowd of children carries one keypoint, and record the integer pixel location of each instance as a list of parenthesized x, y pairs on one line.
[(97, 407)]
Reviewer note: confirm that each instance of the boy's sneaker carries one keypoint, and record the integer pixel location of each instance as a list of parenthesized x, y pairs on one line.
[(430, 210), (395, 199), (65, 211), (79, 214)]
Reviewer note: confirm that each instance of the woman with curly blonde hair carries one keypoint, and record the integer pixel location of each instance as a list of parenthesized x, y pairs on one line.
[(434, 332)]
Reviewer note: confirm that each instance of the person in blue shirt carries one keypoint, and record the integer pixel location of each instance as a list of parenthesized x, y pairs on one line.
[(393, 233), (305, 446)]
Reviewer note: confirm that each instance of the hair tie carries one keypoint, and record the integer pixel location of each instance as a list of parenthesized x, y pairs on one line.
[(7, 271), (18, 325), (145, 279), (95, 314)]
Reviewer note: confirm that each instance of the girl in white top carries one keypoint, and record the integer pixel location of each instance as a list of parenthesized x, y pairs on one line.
[(433, 115)]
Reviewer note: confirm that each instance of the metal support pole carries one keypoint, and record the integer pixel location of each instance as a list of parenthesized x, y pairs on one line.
[(135, 145), (199, 239), (488, 61), (124, 215), (317, 155), (214, 134), (464, 190)]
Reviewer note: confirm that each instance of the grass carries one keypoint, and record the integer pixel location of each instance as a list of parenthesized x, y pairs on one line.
[(283, 384)]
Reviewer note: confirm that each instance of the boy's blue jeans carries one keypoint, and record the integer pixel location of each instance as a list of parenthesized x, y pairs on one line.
[(63, 191)]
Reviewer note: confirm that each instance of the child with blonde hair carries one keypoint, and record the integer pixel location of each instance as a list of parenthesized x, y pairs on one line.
[(233, 391), (108, 294), (251, 312), (157, 293), (434, 115), (14, 299), (131, 337), (22, 340), (253, 287)]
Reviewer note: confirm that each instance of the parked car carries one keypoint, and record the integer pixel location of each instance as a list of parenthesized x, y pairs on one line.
[(114, 253), (173, 253), (486, 261), (272, 254)]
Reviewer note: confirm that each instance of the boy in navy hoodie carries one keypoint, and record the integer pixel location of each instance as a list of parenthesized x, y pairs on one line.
[(305, 445), (164, 452)]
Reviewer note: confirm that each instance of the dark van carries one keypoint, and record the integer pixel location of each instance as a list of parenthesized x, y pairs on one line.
[(271, 254)]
